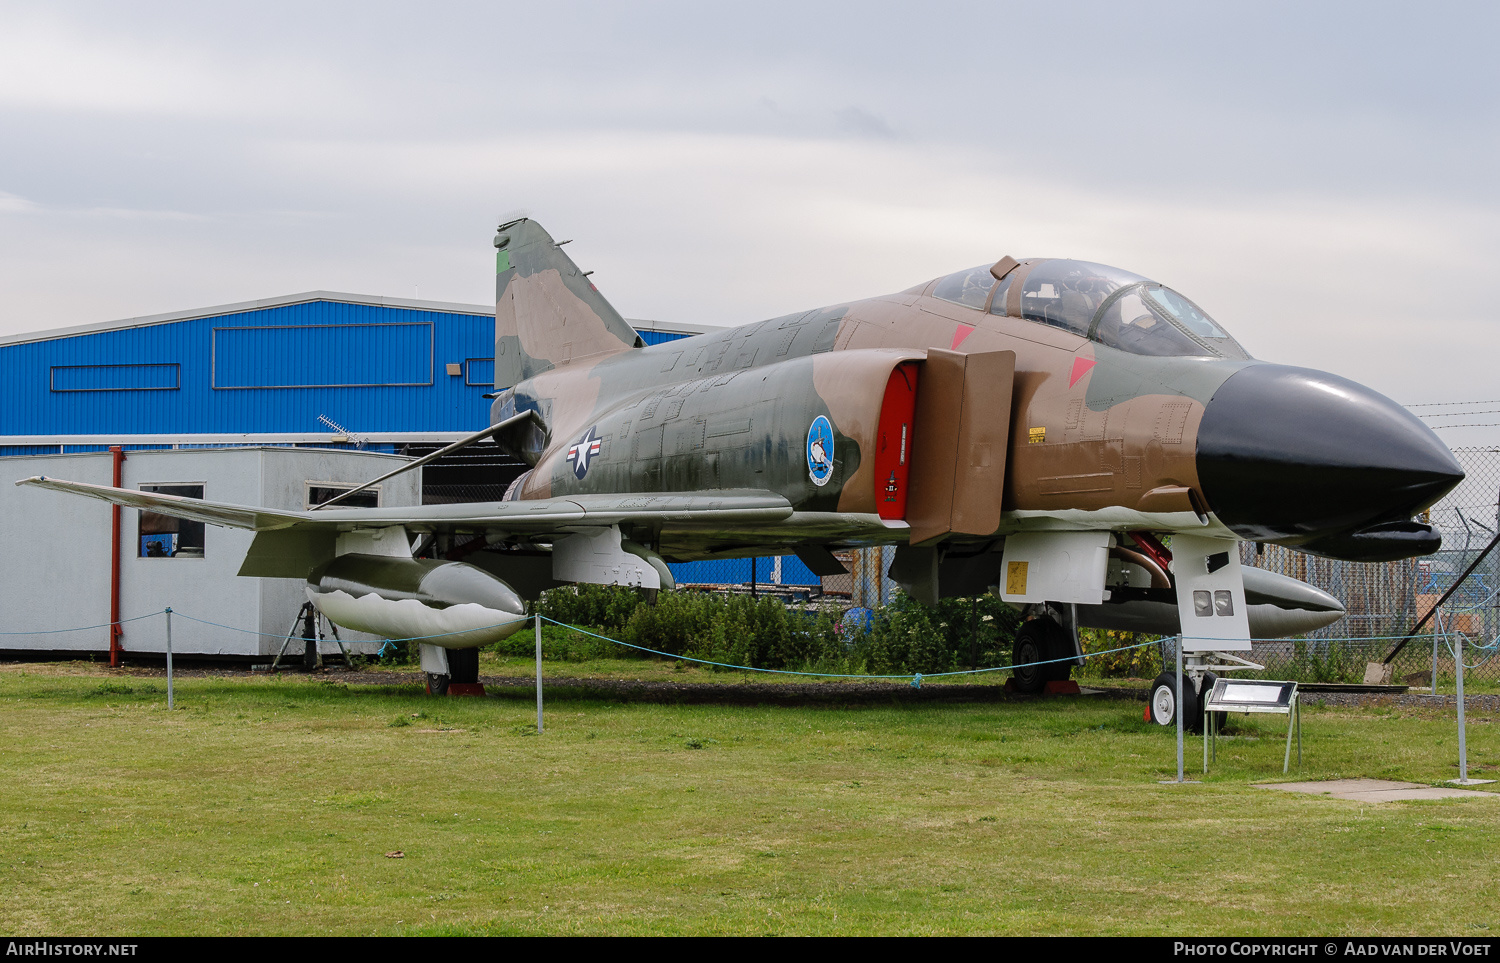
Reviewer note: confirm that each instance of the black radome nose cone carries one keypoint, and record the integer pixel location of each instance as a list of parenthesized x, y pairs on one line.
[(1292, 454)]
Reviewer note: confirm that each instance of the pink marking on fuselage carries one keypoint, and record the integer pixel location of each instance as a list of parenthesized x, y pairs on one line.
[(964, 330)]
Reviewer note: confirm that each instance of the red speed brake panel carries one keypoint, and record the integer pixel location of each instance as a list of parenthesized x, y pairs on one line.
[(893, 441)]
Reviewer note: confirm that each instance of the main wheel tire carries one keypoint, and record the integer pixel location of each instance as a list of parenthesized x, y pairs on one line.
[(1039, 641), (437, 684), (1163, 703)]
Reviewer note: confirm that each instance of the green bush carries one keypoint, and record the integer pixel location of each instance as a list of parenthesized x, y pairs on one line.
[(904, 637), (1138, 663), (908, 636), (737, 630), (607, 607), (1332, 660)]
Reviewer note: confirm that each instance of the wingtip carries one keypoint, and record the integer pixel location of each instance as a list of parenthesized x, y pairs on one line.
[(32, 480)]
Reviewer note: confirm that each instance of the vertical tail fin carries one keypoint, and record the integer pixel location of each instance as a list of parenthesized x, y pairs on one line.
[(546, 312)]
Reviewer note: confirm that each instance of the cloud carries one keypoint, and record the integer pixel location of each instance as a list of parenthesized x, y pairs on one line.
[(11, 204), (862, 123), (714, 166), (66, 67)]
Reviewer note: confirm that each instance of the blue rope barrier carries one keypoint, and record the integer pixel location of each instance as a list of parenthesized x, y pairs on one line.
[(415, 638), (88, 628)]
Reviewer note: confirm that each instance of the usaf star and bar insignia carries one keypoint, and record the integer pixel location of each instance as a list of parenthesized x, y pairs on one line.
[(581, 453)]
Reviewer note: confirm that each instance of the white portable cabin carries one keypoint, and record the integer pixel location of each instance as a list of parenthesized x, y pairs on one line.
[(56, 572)]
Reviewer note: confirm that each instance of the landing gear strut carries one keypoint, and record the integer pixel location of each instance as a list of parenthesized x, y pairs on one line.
[(462, 677), (1040, 640)]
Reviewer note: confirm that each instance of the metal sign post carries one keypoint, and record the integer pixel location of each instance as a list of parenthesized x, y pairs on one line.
[(539, 673), (1177, 712), (1181, 702), (1463, 745)]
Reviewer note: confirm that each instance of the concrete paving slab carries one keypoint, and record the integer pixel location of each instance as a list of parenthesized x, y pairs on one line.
[(1375, 790), (1341, 785)]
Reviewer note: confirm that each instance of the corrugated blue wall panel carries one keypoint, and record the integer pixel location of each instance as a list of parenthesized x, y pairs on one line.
[(794, 572), (736, 571), (659, 337), (323, 356), (480, 371), (29, 450), (115, 377), (393, 359), (440, 402)]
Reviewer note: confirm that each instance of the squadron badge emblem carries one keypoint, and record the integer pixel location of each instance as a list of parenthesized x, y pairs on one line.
[(820, 451)]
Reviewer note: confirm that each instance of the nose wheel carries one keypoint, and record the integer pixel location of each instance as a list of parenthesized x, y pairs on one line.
[(1162, 705)]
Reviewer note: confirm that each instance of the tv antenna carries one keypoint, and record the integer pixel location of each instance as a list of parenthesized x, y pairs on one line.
[(344, 434)]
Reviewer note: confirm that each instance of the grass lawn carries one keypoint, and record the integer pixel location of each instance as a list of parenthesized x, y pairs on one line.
[(268, 805)]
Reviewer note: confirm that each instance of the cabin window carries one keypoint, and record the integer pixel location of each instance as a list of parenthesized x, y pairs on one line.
[(1066, 294), (970, 288), (1185, 312), (1133, 323), (162, 536), (320, 492), (1153, 320)]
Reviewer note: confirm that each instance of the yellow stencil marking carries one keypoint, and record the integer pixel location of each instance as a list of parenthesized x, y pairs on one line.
[(1037, 436), (1015, 578)]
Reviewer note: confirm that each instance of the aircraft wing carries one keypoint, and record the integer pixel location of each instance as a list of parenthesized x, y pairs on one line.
[(540, 516)]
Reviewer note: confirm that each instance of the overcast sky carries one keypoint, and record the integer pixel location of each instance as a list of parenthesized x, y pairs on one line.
[(1320, 177)]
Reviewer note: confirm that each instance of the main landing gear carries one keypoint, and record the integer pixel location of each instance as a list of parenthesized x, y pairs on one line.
[(1044, 652)]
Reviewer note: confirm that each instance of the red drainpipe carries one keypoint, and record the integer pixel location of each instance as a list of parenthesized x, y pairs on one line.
[(114, 563)]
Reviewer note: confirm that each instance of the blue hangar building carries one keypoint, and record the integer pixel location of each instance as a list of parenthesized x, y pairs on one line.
[(321, 369)]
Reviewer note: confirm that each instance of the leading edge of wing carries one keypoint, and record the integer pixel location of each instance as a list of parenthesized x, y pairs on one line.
[(178, 506), (534, 515)]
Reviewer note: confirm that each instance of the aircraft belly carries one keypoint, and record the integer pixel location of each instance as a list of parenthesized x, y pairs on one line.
[(687, 542)]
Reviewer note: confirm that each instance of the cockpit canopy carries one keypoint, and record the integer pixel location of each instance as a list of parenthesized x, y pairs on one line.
[(1098, 302)]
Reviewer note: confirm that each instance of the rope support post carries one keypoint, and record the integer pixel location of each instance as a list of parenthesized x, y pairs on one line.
[(169, 658)]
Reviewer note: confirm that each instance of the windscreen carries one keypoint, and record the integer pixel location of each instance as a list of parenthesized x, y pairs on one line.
[(1114, 307), (1152, 319)]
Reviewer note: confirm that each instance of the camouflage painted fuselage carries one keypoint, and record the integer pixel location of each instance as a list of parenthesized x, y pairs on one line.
[(1097, 438)]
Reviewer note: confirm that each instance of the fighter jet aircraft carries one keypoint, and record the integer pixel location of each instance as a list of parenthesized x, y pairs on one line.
[(1086, 440)]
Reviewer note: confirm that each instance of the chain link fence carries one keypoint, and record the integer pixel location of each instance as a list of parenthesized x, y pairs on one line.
[(1385, 600)]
